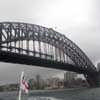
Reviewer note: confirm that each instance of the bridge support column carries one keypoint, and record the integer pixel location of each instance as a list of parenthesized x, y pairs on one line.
[(93, 80), (0, 36), (98, 79)]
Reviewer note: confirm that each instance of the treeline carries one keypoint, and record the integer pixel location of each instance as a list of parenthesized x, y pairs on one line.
[(9, 87), (75, 83)]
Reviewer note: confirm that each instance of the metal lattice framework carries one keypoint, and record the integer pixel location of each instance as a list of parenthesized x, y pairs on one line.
[(44, 43)]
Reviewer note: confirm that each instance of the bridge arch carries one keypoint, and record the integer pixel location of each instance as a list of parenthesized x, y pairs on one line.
[(63, 48)]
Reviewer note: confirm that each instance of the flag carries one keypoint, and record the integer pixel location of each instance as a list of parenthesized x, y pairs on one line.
[(24, 85)]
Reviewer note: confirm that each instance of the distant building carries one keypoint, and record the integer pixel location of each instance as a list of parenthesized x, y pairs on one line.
[(98, 66), (68, 76), (54, 83)]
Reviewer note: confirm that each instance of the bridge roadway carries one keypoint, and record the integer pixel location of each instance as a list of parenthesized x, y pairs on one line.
[(6, 56)]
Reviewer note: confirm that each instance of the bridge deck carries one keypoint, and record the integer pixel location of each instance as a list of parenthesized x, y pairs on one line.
[(6, 56)]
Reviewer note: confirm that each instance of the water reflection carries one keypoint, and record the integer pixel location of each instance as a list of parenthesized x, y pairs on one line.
[(42, 98)]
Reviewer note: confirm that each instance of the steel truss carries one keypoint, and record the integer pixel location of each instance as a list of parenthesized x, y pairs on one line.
[(45, 43)]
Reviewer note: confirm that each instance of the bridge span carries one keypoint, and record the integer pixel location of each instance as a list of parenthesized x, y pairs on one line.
[(32, 44)]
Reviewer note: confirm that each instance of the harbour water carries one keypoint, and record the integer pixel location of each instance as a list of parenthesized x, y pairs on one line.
[(66, 94)]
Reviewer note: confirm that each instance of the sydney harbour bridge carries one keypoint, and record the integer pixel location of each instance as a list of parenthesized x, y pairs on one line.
[(32, 44)]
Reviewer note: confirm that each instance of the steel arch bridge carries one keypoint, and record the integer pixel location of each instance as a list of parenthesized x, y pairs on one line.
[(36, 45)]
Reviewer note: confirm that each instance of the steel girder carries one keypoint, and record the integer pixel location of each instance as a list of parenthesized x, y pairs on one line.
[(16, 31)]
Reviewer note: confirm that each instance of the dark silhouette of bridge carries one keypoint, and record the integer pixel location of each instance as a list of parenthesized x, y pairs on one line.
[(36, 45)]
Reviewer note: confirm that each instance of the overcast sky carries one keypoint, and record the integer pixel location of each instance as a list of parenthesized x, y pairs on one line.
[(79, 20)]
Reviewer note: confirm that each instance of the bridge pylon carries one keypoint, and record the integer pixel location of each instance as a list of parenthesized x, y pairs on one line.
[(0, 36), (97, 79), (93, 79)]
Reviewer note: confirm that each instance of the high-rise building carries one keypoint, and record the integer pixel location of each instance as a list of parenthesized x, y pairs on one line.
[(68, 76)]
